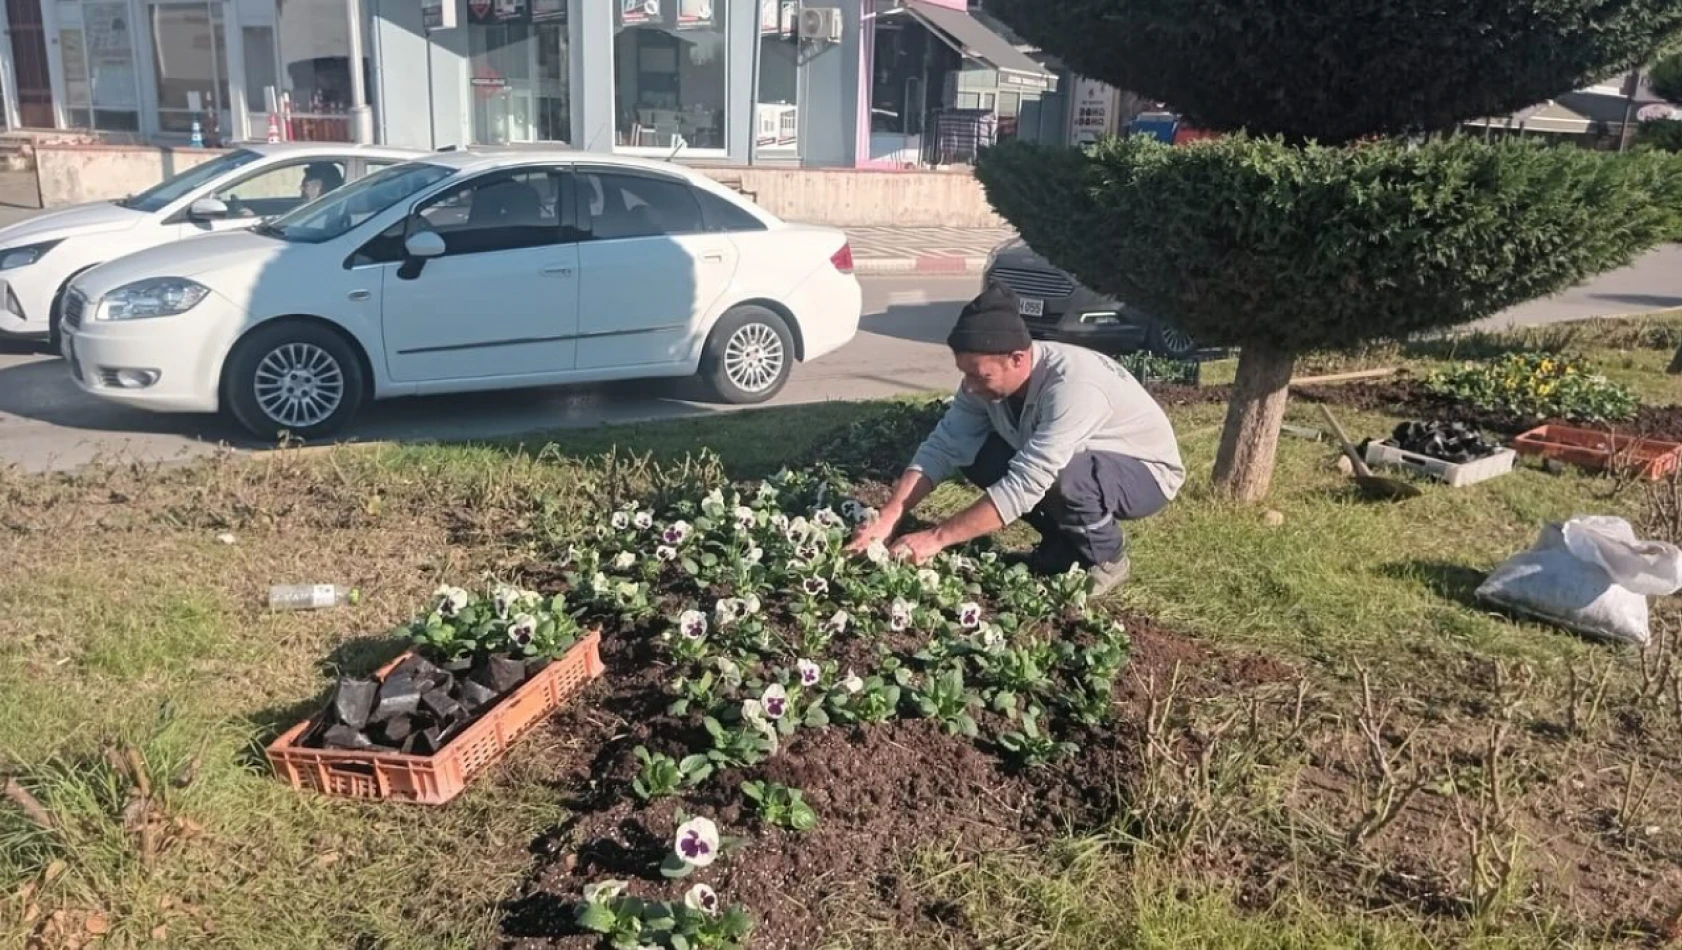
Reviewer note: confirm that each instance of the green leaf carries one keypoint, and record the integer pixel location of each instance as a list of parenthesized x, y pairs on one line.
[(596, 917), (675, 867), (679, 942), (802, 817), (815, 715), (678, 707)]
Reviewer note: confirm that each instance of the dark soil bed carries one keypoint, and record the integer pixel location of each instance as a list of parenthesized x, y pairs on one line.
[(1408, 397), (881, 792)]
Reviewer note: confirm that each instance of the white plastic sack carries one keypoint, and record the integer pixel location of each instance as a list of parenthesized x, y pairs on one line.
[(1589, 575)]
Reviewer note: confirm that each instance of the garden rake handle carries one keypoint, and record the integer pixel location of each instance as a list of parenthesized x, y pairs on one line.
[(1348, 447)]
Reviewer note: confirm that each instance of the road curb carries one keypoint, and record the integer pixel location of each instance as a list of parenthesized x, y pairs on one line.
[(928, 264)]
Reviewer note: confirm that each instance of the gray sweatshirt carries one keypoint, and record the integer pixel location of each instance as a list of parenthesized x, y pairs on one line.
[(1077, 401)]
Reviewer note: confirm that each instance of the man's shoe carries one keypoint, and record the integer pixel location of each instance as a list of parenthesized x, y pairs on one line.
[(1110, 575)]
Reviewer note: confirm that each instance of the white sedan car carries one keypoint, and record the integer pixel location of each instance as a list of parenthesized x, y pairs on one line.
[(237, 189), (465, 272)]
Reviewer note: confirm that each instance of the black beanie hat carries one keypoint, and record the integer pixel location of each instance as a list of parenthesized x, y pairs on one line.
[(990, 324)]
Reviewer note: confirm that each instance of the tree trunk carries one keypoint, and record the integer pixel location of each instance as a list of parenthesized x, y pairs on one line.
[(1244, 465), (1675, 363)]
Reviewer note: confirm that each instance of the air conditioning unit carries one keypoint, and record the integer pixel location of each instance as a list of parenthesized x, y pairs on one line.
[(822, 24)]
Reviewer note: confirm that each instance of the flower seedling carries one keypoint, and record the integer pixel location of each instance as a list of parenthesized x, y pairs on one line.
[(1019, 671), (606, 910), (748, 744), (703, 923), (781, 806), (662, 775), (1031, 747), (946, 698)]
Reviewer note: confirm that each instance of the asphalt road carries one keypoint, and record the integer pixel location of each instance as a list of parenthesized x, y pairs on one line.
[(47, 423)]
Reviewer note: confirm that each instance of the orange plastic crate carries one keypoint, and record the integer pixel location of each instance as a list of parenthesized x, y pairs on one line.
[(435, 779), (1596, 449)]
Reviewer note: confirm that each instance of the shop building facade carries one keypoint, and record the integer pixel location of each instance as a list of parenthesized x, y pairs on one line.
[(812, 83)]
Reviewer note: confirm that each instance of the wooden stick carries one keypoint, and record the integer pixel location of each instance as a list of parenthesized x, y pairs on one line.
[(1345, 377)]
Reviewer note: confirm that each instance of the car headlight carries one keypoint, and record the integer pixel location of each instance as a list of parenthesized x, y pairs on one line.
[(1102, 318), (154, 297), (26, 255)]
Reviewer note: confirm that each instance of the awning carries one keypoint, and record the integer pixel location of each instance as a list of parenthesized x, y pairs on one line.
[(974, 40)]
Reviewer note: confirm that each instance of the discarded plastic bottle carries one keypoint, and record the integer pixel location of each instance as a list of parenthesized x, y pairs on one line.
[(310, 596)]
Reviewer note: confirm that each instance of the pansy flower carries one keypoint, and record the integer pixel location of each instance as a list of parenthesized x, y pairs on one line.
[(702, 898), (693, 624), (814, 586), (774, 701), (969, 615), (696, 843), (899, 615), (603, 891), (451, 600), (746, 520), (675, 533), (810, 672), (521, 629)]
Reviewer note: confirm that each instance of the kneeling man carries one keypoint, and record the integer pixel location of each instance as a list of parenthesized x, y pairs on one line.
[(1059, 436)]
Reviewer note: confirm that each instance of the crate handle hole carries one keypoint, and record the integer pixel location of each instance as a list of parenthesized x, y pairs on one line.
[(364, 769)]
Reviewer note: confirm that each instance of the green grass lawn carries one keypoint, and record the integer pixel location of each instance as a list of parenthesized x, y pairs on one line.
[(127, 626)]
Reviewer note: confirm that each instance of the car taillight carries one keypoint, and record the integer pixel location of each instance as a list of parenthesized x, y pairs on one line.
[(843, 259)]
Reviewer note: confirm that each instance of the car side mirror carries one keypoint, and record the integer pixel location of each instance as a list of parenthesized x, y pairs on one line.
[(424, 244), (418, 248), (208, 209)]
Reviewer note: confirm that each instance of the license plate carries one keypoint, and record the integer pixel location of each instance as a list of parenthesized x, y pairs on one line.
[(1030, 307)]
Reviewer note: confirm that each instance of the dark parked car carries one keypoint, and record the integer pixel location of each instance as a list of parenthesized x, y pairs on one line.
[(1056, 307)]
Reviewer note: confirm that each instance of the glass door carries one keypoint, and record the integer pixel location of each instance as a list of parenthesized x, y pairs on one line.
[(190, 66), (520, 82)]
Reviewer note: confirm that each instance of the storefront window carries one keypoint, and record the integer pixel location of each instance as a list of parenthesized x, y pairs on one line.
[(97, 46), (776, 109), (670, 78), (521, 69), (315, 69), (260, 73), (190, 57)]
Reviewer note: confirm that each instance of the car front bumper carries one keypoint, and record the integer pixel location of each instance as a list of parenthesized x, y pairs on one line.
[(185, 352), (25, 303), (1077, 316)]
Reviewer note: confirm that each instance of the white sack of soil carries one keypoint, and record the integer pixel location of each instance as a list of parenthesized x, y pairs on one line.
[(1589, 575)]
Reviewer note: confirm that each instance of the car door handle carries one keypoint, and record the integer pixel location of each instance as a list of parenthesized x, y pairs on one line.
[(359, 295), (713, 256), (558, 270)]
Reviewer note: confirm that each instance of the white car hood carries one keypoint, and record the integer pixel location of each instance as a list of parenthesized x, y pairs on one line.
[(235, 252), (93, 218)]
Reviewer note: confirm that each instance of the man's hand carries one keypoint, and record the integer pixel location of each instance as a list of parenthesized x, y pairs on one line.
[(920, 546), (871, 532)]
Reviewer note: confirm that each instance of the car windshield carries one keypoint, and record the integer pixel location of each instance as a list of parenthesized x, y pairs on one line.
[(338, 211), (175, 187)]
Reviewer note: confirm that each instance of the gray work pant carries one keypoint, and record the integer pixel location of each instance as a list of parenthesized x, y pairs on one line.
[(1081, 514)]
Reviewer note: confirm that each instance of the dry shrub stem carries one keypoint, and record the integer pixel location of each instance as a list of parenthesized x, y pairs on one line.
[(1394, 790)]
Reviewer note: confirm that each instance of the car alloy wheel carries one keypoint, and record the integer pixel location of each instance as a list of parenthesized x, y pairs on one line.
[(1174, 340), (753, 357), (299, 385)]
